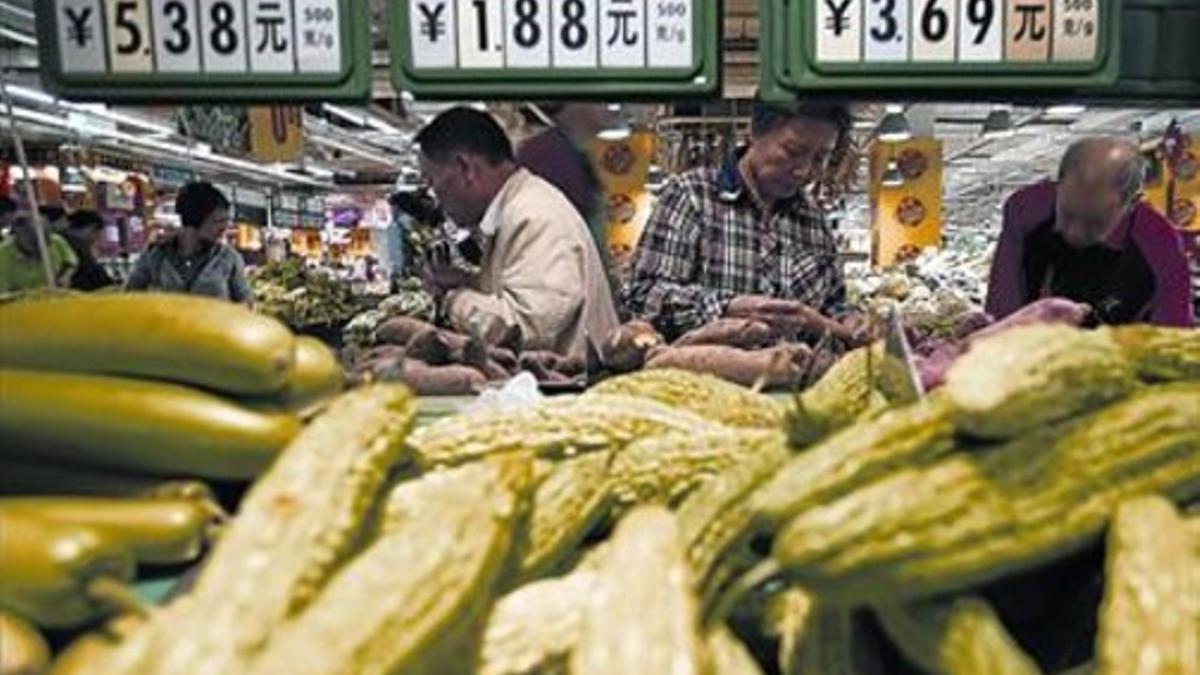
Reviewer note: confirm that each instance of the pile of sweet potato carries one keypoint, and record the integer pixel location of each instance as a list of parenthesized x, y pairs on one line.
[(439, 362)]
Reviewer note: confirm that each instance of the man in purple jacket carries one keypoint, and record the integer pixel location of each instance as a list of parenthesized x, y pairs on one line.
[(1090, 238)]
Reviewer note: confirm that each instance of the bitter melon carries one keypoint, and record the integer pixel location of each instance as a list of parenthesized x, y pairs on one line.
[(968, 519), (837, 399), (414, 601), (788, 616), (1150, 616), (294, 529), (954, 637), (1023, 378), (909, 436), (642, 616), (572, 500), (1160, 353), (534, 628), (557, 427), (706, 395), (666, 468), (838, 644), (727, 655)]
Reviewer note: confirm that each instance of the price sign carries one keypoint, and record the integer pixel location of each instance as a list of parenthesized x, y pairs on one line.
[(548, 48), (205, 50), (887, 30), (908, 45), (980, 31)]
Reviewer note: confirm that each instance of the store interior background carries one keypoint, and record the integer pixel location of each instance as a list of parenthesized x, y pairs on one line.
[(328, 195)]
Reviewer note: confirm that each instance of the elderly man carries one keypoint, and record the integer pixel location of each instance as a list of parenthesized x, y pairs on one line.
[(1090, 238), (21, 267), (541, 283), (745, 239)]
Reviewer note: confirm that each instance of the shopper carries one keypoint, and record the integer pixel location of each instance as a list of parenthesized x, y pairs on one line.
[(540, 282), (55, 218), (194, 259), (83, 233), (745, 239), (8, 210), (1089, 237), (558, 155), (21, 266)]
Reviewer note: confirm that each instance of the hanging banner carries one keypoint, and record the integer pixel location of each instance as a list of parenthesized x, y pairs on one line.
[(622, 167), (908, 218), (276, 133)]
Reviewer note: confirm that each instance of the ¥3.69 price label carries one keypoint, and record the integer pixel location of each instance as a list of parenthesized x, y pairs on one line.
[(483, 35), (957, 31), (185, 37)]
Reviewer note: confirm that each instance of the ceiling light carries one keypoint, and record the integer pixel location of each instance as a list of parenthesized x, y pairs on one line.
[(1066, 110), (894, 128), (892, 177), (615, 133), (998, 124)]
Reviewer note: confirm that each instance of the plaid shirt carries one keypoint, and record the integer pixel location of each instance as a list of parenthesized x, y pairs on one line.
[(708, 241)]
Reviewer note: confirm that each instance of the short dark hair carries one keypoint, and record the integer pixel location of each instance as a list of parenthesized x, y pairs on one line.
[(466, 130), (196, 201), (84, 220), (766, 117)]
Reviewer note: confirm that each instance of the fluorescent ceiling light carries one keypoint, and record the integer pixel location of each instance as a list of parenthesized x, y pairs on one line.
[(1066, 110), (27, 94)]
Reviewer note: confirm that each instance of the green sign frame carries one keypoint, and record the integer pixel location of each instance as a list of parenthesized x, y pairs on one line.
[(352, 84), (788, 49), (562, 83)]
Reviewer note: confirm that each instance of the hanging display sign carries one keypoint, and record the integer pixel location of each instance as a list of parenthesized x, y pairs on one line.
[(939, 44), (204, 50), (555, 48), (905, 218)]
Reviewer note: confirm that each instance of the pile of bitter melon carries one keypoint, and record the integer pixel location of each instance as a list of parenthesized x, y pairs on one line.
[(114, 411), (663, 523)]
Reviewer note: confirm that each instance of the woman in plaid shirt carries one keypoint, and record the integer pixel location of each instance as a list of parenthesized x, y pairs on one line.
[(746, 239)]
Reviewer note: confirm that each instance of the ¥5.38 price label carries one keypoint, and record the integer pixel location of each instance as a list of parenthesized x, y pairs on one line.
[(495, 35), (194, 37), (957, 31)]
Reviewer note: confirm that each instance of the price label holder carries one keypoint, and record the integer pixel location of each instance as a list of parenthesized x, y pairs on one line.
[(960, 48), (632, 49), (181, 51)]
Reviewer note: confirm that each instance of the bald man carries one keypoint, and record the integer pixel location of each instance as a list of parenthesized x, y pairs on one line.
[(1089, 237)]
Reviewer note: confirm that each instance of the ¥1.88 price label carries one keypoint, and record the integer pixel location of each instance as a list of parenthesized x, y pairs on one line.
[(956, 31), (494, 35), (191, 37)]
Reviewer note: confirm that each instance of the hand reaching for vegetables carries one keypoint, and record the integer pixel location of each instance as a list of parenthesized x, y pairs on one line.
[(789, 316)]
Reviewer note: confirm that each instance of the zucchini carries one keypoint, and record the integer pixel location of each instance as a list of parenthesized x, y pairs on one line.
[(155, 530), (136, 425), (22, 476), (317, 374), (49, 571), (181, 338)]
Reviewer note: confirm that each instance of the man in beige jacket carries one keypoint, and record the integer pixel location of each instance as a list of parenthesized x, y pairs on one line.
[(541, 283)]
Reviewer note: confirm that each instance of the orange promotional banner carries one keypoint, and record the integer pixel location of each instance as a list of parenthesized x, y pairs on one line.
[(906, 216), (276, 133), (622, 168), (1187, 188)]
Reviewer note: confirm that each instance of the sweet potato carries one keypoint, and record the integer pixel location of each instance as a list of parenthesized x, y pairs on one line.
[(430, 380), (627, 347), (780, 366), (399, 330), (740, 333), (1044, 311), (432, 347)]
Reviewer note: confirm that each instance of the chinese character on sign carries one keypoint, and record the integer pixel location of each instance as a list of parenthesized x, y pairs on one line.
[(623, 28), (1030, 28), (79, 32), (432, 24), (838, 21), (269, 22)]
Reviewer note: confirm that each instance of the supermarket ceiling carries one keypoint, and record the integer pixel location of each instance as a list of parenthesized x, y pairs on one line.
[(370, 144)]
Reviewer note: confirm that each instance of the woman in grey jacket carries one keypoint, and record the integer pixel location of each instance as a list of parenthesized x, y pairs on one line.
[(195, 260)]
